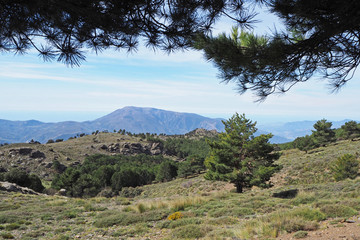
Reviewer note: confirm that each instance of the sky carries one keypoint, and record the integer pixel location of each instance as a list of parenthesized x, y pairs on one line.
[(181, 82)]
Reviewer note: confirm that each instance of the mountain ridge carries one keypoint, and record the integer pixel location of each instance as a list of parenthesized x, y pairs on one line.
[(141, 120), (132, 119)]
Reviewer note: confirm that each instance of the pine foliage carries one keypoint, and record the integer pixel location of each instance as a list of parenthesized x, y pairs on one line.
[(241, 158)]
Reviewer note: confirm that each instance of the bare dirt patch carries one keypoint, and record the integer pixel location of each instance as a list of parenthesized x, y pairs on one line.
[(332, 230)]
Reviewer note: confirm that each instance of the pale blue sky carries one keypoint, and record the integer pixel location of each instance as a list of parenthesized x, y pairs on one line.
[(184, 82)]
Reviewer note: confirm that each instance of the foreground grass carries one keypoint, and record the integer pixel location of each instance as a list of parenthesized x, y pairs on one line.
[(221, 214)]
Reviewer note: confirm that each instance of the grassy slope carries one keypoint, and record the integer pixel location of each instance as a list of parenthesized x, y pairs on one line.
[(210, 209), (66, 152)]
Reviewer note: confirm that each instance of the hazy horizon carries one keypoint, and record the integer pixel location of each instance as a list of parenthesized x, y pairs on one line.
[(61, 116), (181, 82)]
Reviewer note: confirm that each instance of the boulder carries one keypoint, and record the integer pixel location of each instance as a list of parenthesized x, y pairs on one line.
[(104, 147), (61, 192), (156, 149), (12, 187)]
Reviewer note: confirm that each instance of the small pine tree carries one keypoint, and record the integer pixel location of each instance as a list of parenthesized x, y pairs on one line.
[(241, 158), (305, 143), (323, 134), (346, 166), (351, 130), (166, 171)]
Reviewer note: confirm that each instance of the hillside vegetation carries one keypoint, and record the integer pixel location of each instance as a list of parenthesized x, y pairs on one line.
[(304, 196)]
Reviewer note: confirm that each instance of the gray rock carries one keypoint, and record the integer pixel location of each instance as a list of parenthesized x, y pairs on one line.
[(12, 187), (62, 192)]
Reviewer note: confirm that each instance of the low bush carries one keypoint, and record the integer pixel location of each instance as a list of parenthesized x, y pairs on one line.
[(6, 218), (109, 218), (6, 235), (23, 179), (235, 212), (346, 166), (309, 214), (336, 210), (181, 222), (191, 231), (130, 192), (300, 234), (175, 216), (12, 226)]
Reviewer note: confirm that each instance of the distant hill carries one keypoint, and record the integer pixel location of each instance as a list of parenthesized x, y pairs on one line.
[(133, 119), (292, 130), (141, 120)]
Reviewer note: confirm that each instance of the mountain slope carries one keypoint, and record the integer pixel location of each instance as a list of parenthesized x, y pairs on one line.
[(132, 119), (292, 130), (138, 120)]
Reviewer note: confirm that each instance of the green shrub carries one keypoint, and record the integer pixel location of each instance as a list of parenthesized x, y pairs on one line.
[(181, 222), (137, 230), (235, 212), (35, 183), (166, 171), (226, 220), (18, 176), (88, 207), (300, 234), (191, 231), (125, 219), (336, 210), (12, 226), (6, 235), (346, 166), (23, 179), (309, 214), (141, 208), (108, 219), (130, 192), (6, 218), (303, 199)]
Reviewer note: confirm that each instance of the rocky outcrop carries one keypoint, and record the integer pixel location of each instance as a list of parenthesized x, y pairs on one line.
[(26, 152), (12, 187), (134, 148)]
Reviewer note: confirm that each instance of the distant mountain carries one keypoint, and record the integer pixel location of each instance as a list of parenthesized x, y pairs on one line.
[(292, 130), (141, 120), (138, 120), (133, 119)]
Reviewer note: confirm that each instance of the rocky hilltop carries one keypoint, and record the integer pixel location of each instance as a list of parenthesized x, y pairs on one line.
[(40, 158)]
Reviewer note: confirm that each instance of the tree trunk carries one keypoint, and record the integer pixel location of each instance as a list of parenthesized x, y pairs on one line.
[(239, 187)]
